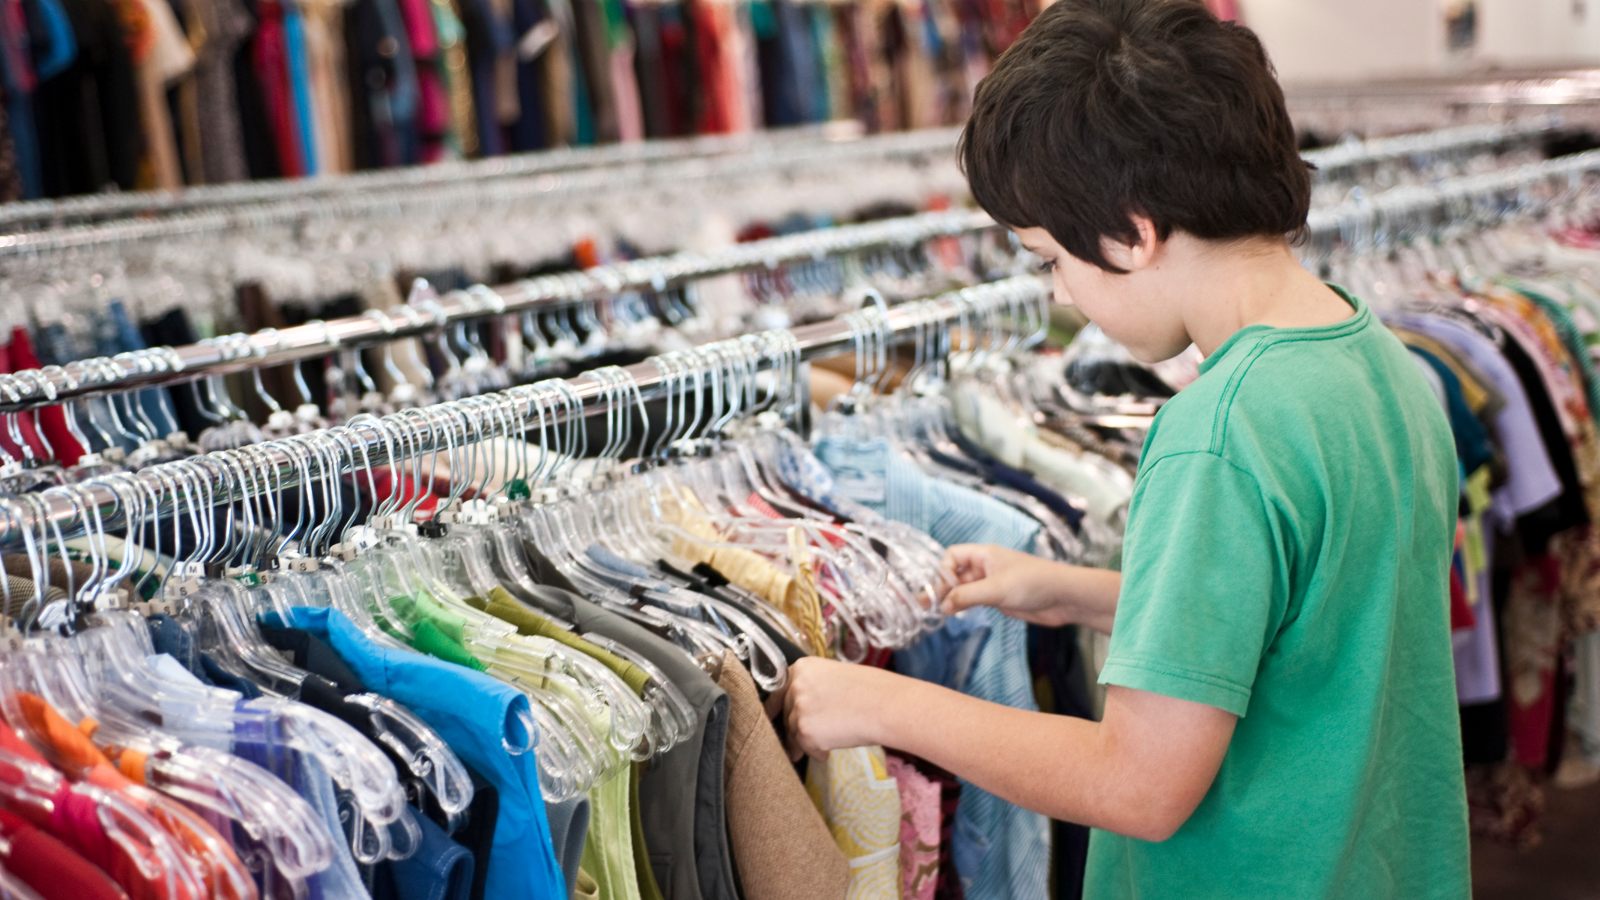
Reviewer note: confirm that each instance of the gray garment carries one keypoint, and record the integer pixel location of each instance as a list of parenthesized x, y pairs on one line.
[(569, 825), (227, 26), (681, 791)]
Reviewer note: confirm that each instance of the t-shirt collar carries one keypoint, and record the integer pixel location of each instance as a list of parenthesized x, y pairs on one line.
[(1337, 329)]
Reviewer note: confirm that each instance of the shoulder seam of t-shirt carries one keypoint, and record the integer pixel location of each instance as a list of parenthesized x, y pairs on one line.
[(1265, 342), (1214, 454), (1268, 503)]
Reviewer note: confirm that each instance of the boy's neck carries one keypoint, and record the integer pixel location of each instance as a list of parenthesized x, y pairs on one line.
[(1228, 290)]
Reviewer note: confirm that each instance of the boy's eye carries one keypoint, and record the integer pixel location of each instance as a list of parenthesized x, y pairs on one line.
[(1048, 265)]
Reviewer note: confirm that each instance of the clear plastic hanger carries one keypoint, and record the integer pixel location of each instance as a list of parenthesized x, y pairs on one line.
[(672, 716), (37, 672), (428, 757), (566, 766), (355, 765), (578, 675)]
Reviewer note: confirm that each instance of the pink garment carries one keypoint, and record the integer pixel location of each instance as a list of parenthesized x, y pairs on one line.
[(919, 830), (433, 111), (625, 84)]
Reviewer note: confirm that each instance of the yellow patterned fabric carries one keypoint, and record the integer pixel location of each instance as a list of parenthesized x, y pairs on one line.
[(796, 598), (861, 804)]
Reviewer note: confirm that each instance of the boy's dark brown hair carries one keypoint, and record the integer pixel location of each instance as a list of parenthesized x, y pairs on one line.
[(1106, 108)]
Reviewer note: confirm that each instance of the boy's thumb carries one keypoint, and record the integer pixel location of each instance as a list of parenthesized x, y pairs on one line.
[(975, 593)]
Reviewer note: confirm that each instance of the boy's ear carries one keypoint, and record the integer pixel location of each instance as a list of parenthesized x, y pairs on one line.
[(1131, 257)]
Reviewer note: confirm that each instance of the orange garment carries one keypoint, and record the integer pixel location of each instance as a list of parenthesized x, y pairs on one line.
[(75, 752)]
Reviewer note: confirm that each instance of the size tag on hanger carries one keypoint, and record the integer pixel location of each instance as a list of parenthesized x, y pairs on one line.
[(245, 575), (154, 607)]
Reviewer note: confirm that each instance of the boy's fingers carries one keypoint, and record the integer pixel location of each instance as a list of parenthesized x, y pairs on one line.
[(974, 593)]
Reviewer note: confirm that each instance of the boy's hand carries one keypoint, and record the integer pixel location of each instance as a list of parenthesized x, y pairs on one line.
[(1029, 588), (831, 705), (1021, 586)]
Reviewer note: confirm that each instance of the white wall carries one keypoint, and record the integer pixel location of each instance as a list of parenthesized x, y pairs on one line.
[(1362, 40), (1538, 32), (1348, 40)]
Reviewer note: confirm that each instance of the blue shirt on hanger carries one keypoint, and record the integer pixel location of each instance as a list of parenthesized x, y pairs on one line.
[(479, 717)]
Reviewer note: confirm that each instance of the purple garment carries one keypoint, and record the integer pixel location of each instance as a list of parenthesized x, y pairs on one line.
[(1531, 482)]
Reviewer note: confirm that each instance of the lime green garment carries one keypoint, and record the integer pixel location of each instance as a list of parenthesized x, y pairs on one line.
[(506, 608), (1287, 560), (649, 888), (608, 853), (503, 606)]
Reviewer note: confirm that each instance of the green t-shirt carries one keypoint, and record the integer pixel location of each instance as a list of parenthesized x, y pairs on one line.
[(1287, 560)]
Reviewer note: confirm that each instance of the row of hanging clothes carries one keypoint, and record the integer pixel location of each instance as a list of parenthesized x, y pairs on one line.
[(1503, 323), (146, 94), (553, 687)]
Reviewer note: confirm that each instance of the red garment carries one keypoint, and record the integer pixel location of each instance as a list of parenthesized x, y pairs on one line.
[(53, 869), (383, 482), (672, 72), (716, 88), (1533, 614), (19, 356), (270, 56), (75, 821), (205, 851), (1461, 617)]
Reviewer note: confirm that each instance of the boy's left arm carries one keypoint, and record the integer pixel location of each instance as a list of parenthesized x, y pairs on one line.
[(1141, 771)]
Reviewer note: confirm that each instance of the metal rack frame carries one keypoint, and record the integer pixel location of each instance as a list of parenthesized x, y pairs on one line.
[(65, 510), (241, 352)]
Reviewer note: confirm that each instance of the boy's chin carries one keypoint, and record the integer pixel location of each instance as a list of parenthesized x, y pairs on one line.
[(1151, 355)]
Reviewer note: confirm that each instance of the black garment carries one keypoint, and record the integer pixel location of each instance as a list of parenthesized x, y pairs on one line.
[(708, 581), (310, 652), (88, 115), (647, 66), (1009, 476), (529, 131), (260, 151), (1061, 678), (1567, 510), (173, 329)]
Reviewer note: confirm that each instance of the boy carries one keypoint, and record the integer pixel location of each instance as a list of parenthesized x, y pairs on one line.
[(1280, 717)]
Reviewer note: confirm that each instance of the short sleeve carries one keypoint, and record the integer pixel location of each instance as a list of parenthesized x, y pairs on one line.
[(1204, 583)]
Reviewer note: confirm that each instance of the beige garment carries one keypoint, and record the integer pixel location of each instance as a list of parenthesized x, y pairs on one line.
[(324, 30), (561, 126), (169, 58), (795, 597), (62, 572), (782, 848)]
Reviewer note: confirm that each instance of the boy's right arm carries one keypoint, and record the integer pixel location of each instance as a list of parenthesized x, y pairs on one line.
[(1029, 588)]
